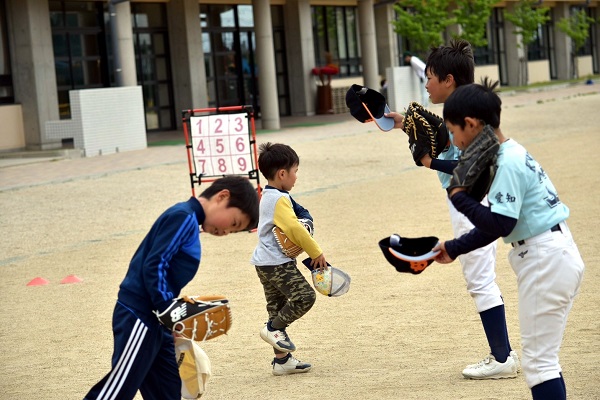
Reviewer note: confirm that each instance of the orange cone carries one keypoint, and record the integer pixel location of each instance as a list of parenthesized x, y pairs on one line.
[(37, 282), (71, 279)]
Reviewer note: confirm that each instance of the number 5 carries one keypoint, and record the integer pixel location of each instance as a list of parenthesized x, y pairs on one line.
[(220, 146)]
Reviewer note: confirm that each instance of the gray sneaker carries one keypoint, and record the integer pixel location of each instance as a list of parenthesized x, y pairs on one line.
[(489, 368), (279, 339), (290, 366)]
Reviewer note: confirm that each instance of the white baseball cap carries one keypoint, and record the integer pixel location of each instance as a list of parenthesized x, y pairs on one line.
[(332, 282)]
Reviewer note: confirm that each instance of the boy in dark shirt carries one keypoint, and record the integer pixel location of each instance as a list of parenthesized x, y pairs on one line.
[(166, 261)]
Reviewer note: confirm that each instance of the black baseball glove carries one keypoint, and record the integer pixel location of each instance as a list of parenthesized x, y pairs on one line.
[(476, 167), (427, 132)]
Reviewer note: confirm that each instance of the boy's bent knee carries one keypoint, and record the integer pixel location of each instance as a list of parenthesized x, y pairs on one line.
[(303, 303)]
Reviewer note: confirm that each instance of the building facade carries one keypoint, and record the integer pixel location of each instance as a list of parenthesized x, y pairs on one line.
[(197, 54)]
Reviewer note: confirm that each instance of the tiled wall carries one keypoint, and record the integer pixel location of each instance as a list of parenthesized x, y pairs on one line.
[(104, 121)]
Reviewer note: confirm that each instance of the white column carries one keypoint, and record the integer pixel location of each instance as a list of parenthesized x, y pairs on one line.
[(387, 38), (187, 56), (515, 55), (33, 70), (562, 43), (265, 56), (368, 43), (300, 53), (596, 51), (125, 43)]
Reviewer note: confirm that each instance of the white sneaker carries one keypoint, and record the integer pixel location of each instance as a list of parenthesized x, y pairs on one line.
[(489, 368), (277, 338), (290, 366), (515, 357)]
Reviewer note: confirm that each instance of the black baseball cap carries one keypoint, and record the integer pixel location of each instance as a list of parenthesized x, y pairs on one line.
[(368, 105), (411, 255)]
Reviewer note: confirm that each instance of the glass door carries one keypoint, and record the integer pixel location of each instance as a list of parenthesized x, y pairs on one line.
[(249, 69), (152, 55), (229, 45)]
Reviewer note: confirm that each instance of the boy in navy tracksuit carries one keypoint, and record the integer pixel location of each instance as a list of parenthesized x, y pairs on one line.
[(167, 260)]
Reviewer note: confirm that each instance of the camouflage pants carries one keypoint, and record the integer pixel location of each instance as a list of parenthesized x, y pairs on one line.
[(289, 296)]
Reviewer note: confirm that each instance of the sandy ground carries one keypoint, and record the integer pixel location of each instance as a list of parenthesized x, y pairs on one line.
[(393, 336)]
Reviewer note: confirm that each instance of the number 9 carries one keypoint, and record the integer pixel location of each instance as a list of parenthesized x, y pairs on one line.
[(242, 163)]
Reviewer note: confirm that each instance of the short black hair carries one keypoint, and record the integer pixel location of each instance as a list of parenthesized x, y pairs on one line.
[(456, 60), (242, 195), (478, 101), (275, 156)]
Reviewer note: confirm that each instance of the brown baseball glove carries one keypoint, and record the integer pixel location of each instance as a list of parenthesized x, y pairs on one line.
[(289, 248)]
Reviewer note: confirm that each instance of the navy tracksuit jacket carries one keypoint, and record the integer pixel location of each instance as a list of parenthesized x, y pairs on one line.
[(144, 352)]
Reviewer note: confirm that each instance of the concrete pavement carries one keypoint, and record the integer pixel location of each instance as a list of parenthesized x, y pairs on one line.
[(26, 169), (38, 168)]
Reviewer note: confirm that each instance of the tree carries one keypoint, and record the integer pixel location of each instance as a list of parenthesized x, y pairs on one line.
[(422, 22), (527, 18), (472, 16), (577, 27)]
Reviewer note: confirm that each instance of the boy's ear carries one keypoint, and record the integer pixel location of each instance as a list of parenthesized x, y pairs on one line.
[(473, 124), (450, 80), (223, 194)]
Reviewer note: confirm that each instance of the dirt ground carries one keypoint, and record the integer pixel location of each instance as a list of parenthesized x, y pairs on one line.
[(392, 336)]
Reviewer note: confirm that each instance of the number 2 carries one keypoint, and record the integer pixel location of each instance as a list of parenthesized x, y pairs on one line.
[(219, 124)]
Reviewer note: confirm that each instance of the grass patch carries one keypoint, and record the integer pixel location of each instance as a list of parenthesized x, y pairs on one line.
[(309, 124), (167, 143), (298, 125), (547, 84)]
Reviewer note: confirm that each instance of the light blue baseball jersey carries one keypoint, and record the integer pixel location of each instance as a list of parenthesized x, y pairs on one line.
[(522, 190), (453, 153)]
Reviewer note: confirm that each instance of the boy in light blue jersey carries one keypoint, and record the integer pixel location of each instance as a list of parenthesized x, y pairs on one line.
[(526, 211), (447, 68)]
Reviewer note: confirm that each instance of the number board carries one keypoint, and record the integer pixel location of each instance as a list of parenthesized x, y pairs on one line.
[(221, 144)]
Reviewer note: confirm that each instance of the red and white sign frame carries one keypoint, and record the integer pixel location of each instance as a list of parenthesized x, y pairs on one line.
[(220, 141)]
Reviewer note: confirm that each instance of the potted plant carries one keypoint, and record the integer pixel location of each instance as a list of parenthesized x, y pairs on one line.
[(323, 80)]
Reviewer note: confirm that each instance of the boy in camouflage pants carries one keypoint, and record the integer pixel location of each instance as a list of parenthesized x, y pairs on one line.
[(288, 294)]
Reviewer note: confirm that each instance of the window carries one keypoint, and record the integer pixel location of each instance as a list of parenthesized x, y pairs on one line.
[(541, 47), (484, 55), (229, 43), (335, 37), (79, 43), (586, 49), (152, 56), (6, 88)]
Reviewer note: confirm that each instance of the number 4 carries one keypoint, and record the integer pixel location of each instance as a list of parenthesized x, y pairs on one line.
[(200, 146)]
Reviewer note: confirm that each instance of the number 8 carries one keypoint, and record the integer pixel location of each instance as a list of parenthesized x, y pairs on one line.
[(222, 165)]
